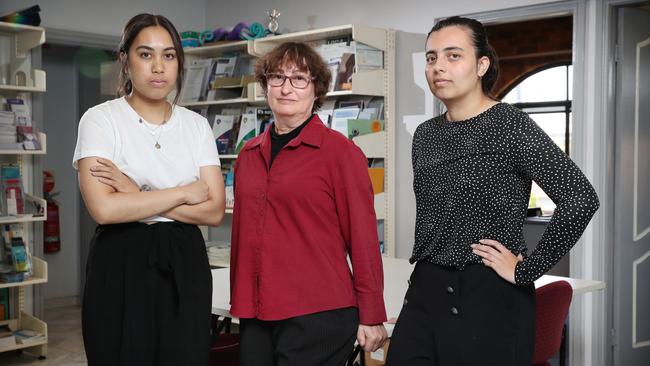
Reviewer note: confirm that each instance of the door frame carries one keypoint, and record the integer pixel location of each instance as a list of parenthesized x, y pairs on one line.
[(608, 59), (590, 320)]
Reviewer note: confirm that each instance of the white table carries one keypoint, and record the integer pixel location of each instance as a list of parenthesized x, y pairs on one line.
[(396, 274)]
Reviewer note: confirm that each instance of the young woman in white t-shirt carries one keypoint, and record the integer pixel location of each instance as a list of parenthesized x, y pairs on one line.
[(149, 173)]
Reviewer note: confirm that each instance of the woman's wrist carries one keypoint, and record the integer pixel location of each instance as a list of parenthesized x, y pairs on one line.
[(181, 195)]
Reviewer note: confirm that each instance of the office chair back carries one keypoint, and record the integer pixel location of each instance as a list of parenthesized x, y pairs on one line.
[(551, 309)]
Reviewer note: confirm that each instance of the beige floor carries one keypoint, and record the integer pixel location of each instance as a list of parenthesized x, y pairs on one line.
[(65, 346)]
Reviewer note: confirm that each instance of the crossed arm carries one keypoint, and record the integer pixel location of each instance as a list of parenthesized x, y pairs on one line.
[(112, 197)]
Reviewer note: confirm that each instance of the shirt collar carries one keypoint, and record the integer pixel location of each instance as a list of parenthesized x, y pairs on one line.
[(311, 134)]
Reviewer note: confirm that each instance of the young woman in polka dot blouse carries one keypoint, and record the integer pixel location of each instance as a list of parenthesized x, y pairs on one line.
[(471, 299)]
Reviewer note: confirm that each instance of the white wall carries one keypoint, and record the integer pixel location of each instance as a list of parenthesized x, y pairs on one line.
[(414, 16), (107, 17)]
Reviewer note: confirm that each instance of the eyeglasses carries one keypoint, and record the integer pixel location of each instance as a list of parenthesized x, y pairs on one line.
[(297, 81)]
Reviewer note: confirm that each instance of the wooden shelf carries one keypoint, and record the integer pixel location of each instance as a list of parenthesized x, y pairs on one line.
[(41, 215), (215, 102), (21, 218), (364, 83), (218, 48), (29, 89), (253, 93), (27, 321), (39, 276), (42, 138), (371, 36), (27, 36)]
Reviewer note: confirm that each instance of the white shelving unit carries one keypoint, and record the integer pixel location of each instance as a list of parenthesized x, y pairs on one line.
[(24, 79), (379, 83)]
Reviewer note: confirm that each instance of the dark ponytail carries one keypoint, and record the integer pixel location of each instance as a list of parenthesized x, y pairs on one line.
[(481, 45)]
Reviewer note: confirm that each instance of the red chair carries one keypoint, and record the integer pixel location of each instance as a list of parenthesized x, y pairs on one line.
[(551, 309)]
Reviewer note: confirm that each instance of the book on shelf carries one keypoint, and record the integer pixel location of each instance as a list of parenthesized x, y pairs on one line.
[(222, 129), (358, 127), (380, 236), (8, 232), (367, 58), (230, 197), (12, 198), (27, 336), (22, 111), (4, 302), (263, 118), (7, 338), (193, 83), (376, 105), (7, 118), (351, 103), (326, 111), (369, 113), (245, 65), (343, 80), (377, 179), (345, 57), (340, 119), (247, 130), (28, 138), (225, 66)]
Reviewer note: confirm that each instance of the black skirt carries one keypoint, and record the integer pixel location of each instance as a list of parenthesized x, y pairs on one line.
[(147, 299), (463, 318)]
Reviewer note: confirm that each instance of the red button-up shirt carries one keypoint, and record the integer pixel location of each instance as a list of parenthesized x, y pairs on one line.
[(294, 225)]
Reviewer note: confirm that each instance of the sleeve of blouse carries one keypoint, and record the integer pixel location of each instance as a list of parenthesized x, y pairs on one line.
[(415, 147), (96, 137), (356, 211), (575, 198), (208, 153)]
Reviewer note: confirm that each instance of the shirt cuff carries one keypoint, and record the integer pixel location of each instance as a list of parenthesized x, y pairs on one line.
[(522, 275), (372, 310)]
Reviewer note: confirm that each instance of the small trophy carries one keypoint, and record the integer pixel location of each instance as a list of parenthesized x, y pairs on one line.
[(273, 20)]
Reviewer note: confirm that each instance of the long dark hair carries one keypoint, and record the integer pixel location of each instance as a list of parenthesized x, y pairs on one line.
[(130, 32), (481, 45)]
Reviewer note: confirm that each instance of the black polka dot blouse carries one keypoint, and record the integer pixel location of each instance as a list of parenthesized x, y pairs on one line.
[(472, 181)]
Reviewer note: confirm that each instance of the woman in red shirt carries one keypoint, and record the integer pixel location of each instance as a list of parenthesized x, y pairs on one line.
[(303, 204)]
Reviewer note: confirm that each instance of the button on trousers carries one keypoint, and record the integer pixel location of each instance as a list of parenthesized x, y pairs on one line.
[(463, 318), (147, 299)]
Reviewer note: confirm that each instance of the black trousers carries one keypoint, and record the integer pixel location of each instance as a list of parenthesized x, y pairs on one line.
[(463, 318), (321, 339), (147, 299)]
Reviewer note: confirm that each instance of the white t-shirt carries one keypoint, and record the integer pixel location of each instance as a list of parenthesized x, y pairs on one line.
[(112, 130)]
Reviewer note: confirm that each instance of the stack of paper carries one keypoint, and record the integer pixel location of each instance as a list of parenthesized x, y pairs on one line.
[(8, 133), (26, 336)]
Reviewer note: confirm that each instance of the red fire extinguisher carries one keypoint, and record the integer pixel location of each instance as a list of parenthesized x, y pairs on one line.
[(52, 236)]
